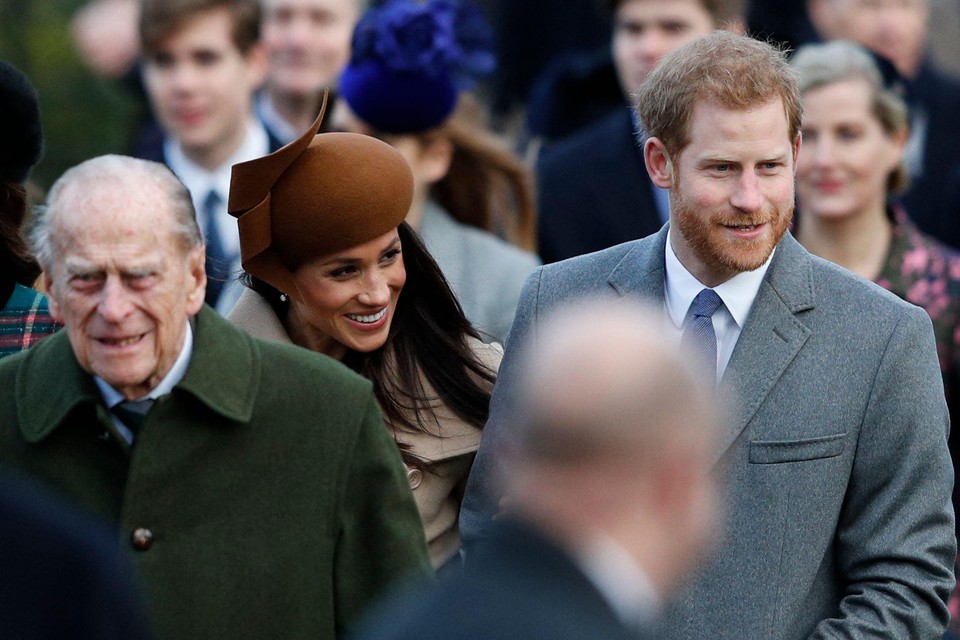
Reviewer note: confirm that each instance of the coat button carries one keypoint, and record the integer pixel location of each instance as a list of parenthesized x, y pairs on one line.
[(142, 539), (414, 476)]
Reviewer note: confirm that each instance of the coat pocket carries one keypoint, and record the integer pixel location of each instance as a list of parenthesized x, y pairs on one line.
[(777, 451)]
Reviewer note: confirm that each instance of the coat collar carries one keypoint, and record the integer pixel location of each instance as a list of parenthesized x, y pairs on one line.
[(772, 336), (641, 271), (219, 351)]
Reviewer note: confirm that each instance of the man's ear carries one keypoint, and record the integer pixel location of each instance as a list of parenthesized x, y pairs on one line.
[(659, 164), (796, 150), (52, 303), (196, 279)]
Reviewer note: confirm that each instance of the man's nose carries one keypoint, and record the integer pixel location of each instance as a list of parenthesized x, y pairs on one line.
[(115, 302), (747, 195)]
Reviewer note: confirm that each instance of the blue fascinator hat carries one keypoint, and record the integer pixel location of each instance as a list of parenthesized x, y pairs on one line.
[(410, 60)]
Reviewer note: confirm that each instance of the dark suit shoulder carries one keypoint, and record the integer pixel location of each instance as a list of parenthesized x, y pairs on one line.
[(597, 140)]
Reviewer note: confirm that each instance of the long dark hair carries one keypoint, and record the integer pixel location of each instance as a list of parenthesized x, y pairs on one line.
[(427, 339), (17, 264)]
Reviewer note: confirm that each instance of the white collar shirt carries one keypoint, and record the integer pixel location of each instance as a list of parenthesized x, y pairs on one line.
[(737, 293), (620, 580), (200, 181)]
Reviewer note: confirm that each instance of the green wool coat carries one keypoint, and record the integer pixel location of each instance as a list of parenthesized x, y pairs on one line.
[(276, 499)]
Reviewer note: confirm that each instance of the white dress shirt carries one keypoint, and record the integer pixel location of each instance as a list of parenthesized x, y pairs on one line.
[(737, 293), (199, 181), (620, 580)]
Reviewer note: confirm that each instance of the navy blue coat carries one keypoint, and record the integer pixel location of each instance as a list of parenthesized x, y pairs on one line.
[(594, 191)]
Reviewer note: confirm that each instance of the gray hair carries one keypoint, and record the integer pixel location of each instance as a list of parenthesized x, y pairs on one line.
[(818, 65), (121, 170)]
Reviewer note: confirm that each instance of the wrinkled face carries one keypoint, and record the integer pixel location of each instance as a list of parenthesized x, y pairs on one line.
[(846, 157), (646, 30), (732, 194), (896, 29), (201, 87), (123, 285), (307, 42), (350, 297)]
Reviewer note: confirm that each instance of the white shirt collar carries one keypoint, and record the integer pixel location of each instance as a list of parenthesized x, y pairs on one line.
[(112, 397), (199, 181), (737, 293), (620, 580)]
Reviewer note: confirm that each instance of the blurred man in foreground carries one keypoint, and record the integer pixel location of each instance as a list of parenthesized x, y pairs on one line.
[(611, 497)]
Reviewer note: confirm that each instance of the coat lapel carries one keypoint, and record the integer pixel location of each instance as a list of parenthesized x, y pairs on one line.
[(771, 338), (641, 272)]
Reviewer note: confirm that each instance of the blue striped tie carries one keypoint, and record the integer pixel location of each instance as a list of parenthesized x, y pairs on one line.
[(699, 336), (217, 263)]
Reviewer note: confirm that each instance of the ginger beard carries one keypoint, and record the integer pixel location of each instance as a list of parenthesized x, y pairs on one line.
[(707, 235)]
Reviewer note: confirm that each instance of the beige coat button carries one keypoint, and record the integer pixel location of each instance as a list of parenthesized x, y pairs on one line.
[(414, 476), (142, 539)]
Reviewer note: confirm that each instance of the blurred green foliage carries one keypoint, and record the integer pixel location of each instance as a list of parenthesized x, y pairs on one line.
[(83, 115)]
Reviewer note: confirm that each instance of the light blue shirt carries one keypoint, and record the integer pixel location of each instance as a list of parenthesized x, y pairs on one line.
[(112, 397)]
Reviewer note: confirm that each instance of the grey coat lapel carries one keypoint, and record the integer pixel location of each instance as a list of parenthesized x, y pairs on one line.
[(771, 338), (641, 272)]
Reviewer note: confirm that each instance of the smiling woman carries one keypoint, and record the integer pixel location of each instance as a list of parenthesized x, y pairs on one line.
[(854, 130), (333, 267)]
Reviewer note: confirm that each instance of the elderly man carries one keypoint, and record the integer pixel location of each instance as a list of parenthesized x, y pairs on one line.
[(613, 499), (840, 522), (255, 485)]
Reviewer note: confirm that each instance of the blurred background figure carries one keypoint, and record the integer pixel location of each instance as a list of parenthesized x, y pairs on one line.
[(63, 576), (849, 170), (308, 45), (341, 273), (593, 187), (611, 497), (473, 202), (203, 63), (899, 32), (24, 316)]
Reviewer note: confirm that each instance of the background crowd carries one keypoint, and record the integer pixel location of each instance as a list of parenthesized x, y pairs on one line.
[(510, 142)]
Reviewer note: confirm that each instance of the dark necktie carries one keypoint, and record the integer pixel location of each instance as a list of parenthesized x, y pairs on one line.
[(699, 336), (217, 263), (133, 413)]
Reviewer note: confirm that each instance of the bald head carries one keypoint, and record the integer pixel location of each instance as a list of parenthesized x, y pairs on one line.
[(615, 439), (606, 380)]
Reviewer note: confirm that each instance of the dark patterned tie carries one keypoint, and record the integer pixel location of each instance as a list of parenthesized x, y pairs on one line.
[(698, 335), (133, 413), (218, 263)]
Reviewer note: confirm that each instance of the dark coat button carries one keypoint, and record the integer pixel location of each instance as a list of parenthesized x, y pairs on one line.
[(142, 539)]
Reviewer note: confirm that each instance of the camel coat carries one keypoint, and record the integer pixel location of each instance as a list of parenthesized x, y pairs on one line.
[(449, 449)]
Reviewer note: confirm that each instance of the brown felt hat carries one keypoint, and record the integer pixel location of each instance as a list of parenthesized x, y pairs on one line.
[(317, 195)]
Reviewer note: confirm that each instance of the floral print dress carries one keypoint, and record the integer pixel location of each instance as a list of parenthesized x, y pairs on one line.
[(923, 271)]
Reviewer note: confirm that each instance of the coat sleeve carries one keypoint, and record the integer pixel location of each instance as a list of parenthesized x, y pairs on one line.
[(895, 539), (380, 538), (481, 496)]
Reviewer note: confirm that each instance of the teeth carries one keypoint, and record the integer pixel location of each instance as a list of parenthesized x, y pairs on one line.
[(124, 342), (368, 319)]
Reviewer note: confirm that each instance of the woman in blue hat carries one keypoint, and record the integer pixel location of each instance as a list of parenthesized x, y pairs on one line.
[(405, 84)]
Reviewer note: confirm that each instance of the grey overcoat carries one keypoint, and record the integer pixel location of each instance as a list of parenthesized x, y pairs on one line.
[(839, 519)]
